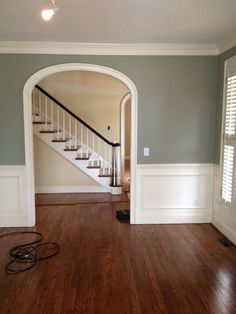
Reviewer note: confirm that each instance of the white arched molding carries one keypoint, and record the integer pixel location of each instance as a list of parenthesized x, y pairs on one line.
[(29, 157), (122, 133)]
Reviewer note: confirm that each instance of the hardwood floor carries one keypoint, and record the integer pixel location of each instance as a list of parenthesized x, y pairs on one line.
[(107, 267)]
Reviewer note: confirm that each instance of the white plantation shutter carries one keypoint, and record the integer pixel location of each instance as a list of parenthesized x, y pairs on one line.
[(229, 138), (228, 169)]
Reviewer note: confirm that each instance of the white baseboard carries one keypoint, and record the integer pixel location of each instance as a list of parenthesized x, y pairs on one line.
[(174, 193), (230, 233), (13, 206), (71, 189)]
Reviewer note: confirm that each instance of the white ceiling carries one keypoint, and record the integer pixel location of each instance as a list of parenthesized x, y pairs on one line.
[(120, 21)]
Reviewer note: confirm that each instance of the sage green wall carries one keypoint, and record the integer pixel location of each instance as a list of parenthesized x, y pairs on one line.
[(176, 109), (224, 56)]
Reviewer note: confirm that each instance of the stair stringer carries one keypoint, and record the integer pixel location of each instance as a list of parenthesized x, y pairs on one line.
[(70, 156)]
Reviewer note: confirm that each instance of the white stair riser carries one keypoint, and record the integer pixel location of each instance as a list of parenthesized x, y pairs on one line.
[(70, 156)]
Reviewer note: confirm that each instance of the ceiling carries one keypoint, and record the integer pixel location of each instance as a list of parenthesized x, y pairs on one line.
[(120, 21)]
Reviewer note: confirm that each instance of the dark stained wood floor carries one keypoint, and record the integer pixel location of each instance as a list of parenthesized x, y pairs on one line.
[(107, 267)]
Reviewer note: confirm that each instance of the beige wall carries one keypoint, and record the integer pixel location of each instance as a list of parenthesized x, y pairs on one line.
[(48, 167), (95, 98)]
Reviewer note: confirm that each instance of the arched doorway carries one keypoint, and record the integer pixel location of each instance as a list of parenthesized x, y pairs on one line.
[(123, 106), (27, 99)]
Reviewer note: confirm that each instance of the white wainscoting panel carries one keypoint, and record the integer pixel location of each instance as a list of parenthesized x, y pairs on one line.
[(174, 193), (13, 204), (224, 218)]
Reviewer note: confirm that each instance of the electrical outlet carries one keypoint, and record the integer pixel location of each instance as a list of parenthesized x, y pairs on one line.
[(146, 151), (196, 201)]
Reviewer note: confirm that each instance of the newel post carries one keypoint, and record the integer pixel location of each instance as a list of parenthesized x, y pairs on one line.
[(116, 187)]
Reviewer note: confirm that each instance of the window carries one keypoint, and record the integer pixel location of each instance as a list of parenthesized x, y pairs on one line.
[(228, 160)]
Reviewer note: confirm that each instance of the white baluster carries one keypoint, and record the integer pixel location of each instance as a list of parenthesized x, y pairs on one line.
[(75, 133), (58, 122), (40, 108), (87, 153), (63, 124), (51, 115), (70, 131), (81, 134), (104, 155), (40, 103), (46, 113), (93, 148)]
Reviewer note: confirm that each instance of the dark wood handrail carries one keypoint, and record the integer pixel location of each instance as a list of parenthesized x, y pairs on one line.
[(75, 116)]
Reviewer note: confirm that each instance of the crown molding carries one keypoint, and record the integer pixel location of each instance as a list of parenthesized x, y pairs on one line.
[(227, 44), (11, 47)]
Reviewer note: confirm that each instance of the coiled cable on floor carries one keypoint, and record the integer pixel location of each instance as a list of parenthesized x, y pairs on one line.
[(29, 253)]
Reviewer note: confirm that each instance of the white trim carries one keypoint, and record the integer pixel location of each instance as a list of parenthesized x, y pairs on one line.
[(223, 218), (227, 44), (122, 134), (226, 230), (70, 189), (70, 157), (108, 49), (14, 209), (231, 61), (179, 168), (29, 158), (174, 193)]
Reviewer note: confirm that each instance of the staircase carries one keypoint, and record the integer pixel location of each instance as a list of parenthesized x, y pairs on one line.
[(76, 141)]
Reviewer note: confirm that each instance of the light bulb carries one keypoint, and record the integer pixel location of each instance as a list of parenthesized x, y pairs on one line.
[(47, 14)]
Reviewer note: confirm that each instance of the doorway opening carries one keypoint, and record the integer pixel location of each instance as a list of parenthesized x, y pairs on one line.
[(66, 148), (30, 84), (125, 137)]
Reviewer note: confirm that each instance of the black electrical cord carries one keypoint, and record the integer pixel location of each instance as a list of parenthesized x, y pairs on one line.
[(28, 253)]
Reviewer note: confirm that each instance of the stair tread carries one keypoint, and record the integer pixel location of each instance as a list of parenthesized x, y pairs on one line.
[(72, 149), (94, 164), (60, 140), (60, 133), (48, 131), (83, 156), (104, 175), (41, 122), (105, 172)]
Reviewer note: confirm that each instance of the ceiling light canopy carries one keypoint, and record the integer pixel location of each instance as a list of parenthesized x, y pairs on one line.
[(48, 13)]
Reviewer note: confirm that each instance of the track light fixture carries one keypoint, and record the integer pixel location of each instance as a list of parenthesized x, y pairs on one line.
[(48, 13)]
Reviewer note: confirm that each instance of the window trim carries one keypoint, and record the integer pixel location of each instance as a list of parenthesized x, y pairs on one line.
[(229, 62)]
